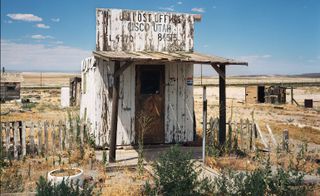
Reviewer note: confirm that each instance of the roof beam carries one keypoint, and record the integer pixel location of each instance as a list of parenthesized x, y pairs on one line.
[(219, 71), (123, 68), (100, 56)]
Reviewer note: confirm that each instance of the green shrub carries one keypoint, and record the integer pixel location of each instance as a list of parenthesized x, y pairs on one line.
[(28, 106), (45, 188), (175, 174), (262, 181)]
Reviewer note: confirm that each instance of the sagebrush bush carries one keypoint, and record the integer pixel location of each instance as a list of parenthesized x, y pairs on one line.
[(175, 174), (262, 181)]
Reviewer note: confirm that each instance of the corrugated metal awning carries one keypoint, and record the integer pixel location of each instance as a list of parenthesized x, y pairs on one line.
[(143, 56)]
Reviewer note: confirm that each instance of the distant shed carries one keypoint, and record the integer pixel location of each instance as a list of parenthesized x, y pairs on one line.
[(10, 86), (75, 91), (143, 63), (265, 94)]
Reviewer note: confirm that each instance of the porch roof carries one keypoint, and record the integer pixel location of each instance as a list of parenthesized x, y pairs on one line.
[(142, 56)]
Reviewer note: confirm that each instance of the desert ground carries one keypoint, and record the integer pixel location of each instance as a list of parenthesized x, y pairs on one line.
[(302, 123)]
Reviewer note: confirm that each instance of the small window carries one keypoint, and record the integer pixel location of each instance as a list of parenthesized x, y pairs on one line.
[(150, 82), (11, 88)]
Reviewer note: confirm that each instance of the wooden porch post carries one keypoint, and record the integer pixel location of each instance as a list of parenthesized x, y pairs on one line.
[(114, 117), (222, 105)]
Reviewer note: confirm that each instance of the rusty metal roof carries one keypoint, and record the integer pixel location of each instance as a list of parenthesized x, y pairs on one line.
[(143, 56)]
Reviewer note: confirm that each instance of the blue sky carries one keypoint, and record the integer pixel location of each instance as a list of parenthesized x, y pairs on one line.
[(275, 37)]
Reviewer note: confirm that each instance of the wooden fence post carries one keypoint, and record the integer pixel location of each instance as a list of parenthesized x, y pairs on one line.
[(67, 135), (15, 139), (236, 136), (74, 131), (241, 134), (32, 138), (2, 130), (60, 135), (249, 139), (204, 123), (45, 126), (7, 138), (253, 135), (39, 138), (24, 146), (53, 137), (81, 132), (285, 140)]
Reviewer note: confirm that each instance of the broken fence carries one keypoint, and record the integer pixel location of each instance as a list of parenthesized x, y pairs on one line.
[(245, 135), (21, 138)]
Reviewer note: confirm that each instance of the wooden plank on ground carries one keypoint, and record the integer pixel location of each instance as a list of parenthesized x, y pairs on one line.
[(272, 136), (261, 135)]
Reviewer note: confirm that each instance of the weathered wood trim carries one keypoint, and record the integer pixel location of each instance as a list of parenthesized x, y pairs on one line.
[(122, 69), (219, 71), (114, 115), (222, 106)]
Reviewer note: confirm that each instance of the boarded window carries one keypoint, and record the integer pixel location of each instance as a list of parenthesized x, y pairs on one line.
[(150, 82)]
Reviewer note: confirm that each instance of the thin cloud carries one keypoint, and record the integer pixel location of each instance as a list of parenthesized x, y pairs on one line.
[(170, 8), (42, 26), (41, 57), (179, 2), (41, 37), (253, 58), (198, 9), (55, 19), (24, 17)]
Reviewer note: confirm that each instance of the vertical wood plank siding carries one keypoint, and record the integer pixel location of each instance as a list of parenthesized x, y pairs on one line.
[(96, 102)]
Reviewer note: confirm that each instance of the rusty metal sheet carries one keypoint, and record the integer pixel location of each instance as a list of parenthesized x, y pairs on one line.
[(137, 30)]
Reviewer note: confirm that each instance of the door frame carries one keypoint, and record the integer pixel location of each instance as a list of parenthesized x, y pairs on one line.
[(161, 68)]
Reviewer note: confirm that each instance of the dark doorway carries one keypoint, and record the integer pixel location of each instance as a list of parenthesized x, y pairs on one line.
[(150, 101), (261, 94)]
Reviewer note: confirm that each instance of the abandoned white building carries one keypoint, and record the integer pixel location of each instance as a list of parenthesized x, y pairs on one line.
[(143, 63)]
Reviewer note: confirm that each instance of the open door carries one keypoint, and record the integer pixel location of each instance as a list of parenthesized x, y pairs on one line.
[(261, 94), (150, 101)]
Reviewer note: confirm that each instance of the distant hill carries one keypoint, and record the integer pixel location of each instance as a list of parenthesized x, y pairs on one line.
[(307, 75)]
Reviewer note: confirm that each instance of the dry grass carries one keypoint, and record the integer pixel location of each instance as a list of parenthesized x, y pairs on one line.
[(125, 182), (46, 79), (307, 134), (234, 163)]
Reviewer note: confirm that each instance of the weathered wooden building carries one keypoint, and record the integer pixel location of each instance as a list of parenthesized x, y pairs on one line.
[(10, 86), (75, 91), (143, 63), (265, 94)]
